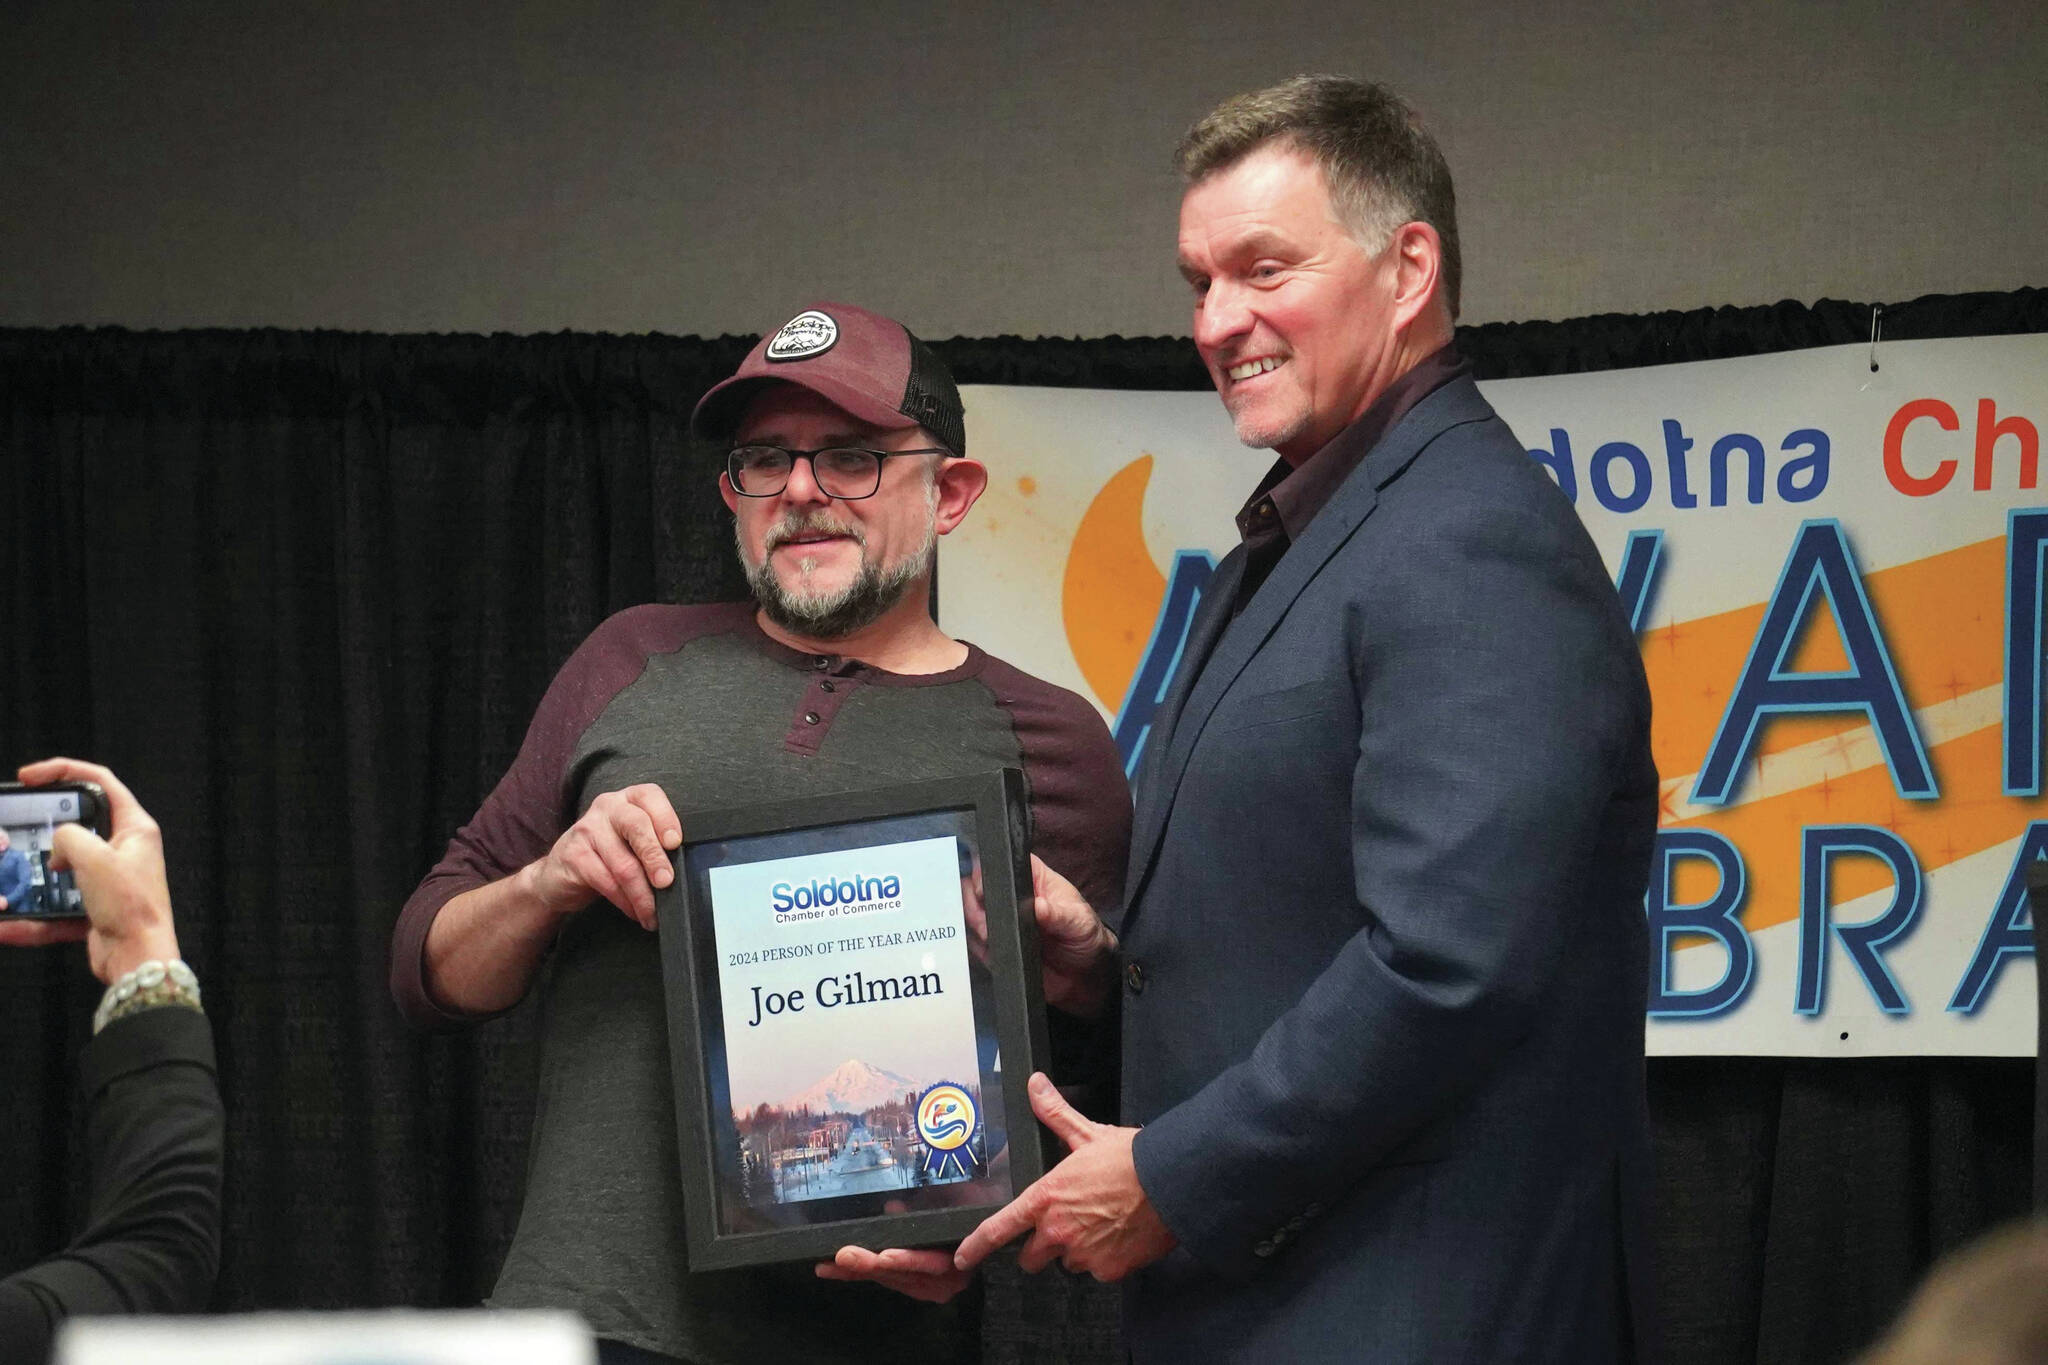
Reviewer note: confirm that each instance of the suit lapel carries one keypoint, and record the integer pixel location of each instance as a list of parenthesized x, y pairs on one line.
[(1229, 645)]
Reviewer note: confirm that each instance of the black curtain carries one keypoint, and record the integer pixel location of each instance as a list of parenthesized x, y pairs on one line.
[(303, 590)]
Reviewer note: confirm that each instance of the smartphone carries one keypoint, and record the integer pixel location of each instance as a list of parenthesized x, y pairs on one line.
[(29, 817)]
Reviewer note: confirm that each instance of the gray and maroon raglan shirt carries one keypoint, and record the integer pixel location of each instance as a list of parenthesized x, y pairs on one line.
[(701, 702)]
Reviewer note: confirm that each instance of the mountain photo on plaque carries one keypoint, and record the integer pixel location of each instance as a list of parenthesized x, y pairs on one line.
[(851, 1047)]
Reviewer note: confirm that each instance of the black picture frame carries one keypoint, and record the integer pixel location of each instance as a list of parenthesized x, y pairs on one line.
[(750, 1201)]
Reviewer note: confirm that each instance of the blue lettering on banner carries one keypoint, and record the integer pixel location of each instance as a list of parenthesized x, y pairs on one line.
[(1192, 570), (1717, 467), (1864, 942), (1813, 465), (1601, 468), (1676, 443), (1718, 917), (2009, 934), (2026, 548), (1800, 479), (1820, 561), (1558, 460), (1642, 561)]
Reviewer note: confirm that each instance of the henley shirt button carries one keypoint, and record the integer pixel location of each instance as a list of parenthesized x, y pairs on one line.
[(810, 717), (826, 686), (822, 662), (1134, 978)]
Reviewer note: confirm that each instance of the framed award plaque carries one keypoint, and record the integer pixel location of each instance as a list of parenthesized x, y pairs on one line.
[(854, 1008)]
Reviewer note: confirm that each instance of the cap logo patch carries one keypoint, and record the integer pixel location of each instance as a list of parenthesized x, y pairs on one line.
[(807, 334)]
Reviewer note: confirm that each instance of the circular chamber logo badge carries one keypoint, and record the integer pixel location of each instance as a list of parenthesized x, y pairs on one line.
[(947, 1121), (807, 334)]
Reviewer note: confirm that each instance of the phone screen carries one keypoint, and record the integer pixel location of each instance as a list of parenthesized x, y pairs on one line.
[(29, 816)]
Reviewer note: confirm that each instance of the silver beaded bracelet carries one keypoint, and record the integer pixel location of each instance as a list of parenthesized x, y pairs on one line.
[(149, 986)]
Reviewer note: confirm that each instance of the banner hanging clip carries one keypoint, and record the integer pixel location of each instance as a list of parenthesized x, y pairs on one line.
[(1876, 312)]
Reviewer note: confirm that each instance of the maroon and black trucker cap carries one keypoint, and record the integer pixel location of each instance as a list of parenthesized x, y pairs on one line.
[(867, 364)]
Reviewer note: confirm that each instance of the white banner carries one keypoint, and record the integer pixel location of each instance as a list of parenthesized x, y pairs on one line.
[(1837, 579)]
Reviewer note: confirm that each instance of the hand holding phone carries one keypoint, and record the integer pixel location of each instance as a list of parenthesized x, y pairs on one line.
[(32, 886), (125, 899)]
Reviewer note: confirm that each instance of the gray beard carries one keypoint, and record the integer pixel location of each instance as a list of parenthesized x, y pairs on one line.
[(834, 616)]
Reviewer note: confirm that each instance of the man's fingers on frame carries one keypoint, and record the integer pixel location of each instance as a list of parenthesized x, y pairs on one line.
[(1039, 1252), (628, 876), (1047, 882), (977, 1245), (634, 897), (591, 871), (1051, 923), (628, 873), (661, 813), (1000, 1228), (921, 1287), (1069, 1124), (1080, 1266), (850, 1263), (828, 1270), (919, 1263), (637, 828), (936, 1285)]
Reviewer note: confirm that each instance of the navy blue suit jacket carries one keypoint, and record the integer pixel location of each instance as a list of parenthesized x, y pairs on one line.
[(1385, 950)]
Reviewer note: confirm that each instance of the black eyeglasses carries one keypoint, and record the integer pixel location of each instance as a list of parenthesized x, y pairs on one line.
[(844, 472)]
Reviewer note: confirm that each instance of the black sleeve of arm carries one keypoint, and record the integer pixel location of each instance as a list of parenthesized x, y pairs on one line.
[(154, 1128)]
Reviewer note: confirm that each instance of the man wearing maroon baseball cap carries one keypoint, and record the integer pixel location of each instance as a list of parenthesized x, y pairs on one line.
[(846, 460), (836, 552), (869, 365)]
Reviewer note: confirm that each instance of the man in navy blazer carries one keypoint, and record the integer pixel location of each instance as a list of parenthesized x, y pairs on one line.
[(1381, 962)]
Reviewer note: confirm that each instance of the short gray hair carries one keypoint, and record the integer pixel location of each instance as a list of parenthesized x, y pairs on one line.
[(1383, 167)]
